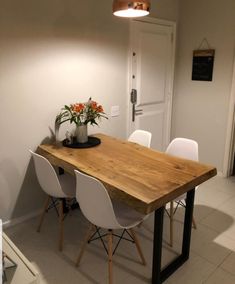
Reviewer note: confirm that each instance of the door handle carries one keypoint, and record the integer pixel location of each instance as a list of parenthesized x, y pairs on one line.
[(133, 101), (138, 112)]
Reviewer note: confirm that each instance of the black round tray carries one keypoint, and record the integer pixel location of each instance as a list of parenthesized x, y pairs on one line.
[(92, 141)]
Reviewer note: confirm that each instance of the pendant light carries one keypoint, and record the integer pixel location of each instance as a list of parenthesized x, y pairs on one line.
[(131, 8)]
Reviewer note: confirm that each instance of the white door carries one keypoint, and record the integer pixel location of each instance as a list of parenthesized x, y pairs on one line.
[(151, 80)]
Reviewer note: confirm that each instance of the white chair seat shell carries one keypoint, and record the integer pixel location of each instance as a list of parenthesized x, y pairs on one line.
[(59, 186), (141, 137), (68, 185), (126, 216), (187, 149), (184, 148), (102, 212), (98, 208)]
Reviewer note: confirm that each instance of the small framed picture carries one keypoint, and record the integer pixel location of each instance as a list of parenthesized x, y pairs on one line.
[(203, 62)]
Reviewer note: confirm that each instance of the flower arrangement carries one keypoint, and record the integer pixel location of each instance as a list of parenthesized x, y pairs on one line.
[(81, 113)]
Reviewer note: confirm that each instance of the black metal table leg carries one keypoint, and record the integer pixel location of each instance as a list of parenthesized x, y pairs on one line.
[(158, 275), (61, 171), (65, 210), (157, 245), (188, 217)]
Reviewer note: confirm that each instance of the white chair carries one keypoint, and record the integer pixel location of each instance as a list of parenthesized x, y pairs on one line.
[(141, 137), (57, 187), (187, 149), (101, 212)]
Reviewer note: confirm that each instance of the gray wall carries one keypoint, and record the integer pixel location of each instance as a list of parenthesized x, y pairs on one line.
[(55, 52), (200, 109)]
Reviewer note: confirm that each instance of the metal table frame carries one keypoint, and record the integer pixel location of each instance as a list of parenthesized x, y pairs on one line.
[(160, 275)]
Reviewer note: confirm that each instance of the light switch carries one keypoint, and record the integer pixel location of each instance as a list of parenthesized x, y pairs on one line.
[(115, 111)]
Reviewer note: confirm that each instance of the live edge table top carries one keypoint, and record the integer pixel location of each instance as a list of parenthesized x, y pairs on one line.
[(143, 178)]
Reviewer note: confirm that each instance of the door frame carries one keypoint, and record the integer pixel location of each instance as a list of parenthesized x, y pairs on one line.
[(159, 22), (230, 134)]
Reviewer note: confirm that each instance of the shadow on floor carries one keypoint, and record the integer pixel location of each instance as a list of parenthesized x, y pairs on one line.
[(56, 267)]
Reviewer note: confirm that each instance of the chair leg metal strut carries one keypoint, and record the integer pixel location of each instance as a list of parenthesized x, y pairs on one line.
[(160, 275)]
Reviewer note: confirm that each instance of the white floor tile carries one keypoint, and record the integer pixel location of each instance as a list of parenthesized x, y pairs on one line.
[(221, 222), (228, 207), (221, 277), (229, 264), (212, 197), (207, 244), (195, 271)]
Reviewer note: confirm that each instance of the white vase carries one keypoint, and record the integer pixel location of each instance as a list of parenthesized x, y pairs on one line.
[(81, 133)]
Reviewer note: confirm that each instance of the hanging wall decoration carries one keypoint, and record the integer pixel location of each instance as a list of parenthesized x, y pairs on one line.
[(203, 62)]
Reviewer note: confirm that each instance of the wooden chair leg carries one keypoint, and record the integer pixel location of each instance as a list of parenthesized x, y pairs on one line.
[(46, 204), (110, 255), (61, 222), (86, 239), (171, 222), (138, 246), (194, 224)]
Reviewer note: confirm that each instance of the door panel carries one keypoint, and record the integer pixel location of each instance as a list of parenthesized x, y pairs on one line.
[(151, 68), (145, 122), (152, 64)]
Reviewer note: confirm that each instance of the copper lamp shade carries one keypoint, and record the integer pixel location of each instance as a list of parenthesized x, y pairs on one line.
[(131, 8)]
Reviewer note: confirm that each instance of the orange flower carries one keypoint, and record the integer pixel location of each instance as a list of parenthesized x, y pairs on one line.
[(100, 108), (93, 105), (81, 113), (77, 107)]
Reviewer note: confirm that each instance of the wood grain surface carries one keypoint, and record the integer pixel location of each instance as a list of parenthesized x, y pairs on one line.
[(143, 178)]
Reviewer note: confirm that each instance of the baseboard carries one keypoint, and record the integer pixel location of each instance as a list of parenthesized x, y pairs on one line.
[(220, 174), (16, 221)]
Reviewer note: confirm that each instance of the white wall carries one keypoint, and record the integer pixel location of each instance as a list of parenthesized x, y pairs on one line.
[(165, 9), (55, 52), (200, 109)]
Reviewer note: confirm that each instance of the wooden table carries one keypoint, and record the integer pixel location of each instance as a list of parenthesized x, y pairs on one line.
[(142, 178)]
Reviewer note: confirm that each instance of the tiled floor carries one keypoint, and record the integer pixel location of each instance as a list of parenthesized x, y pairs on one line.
[(212, 258)]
